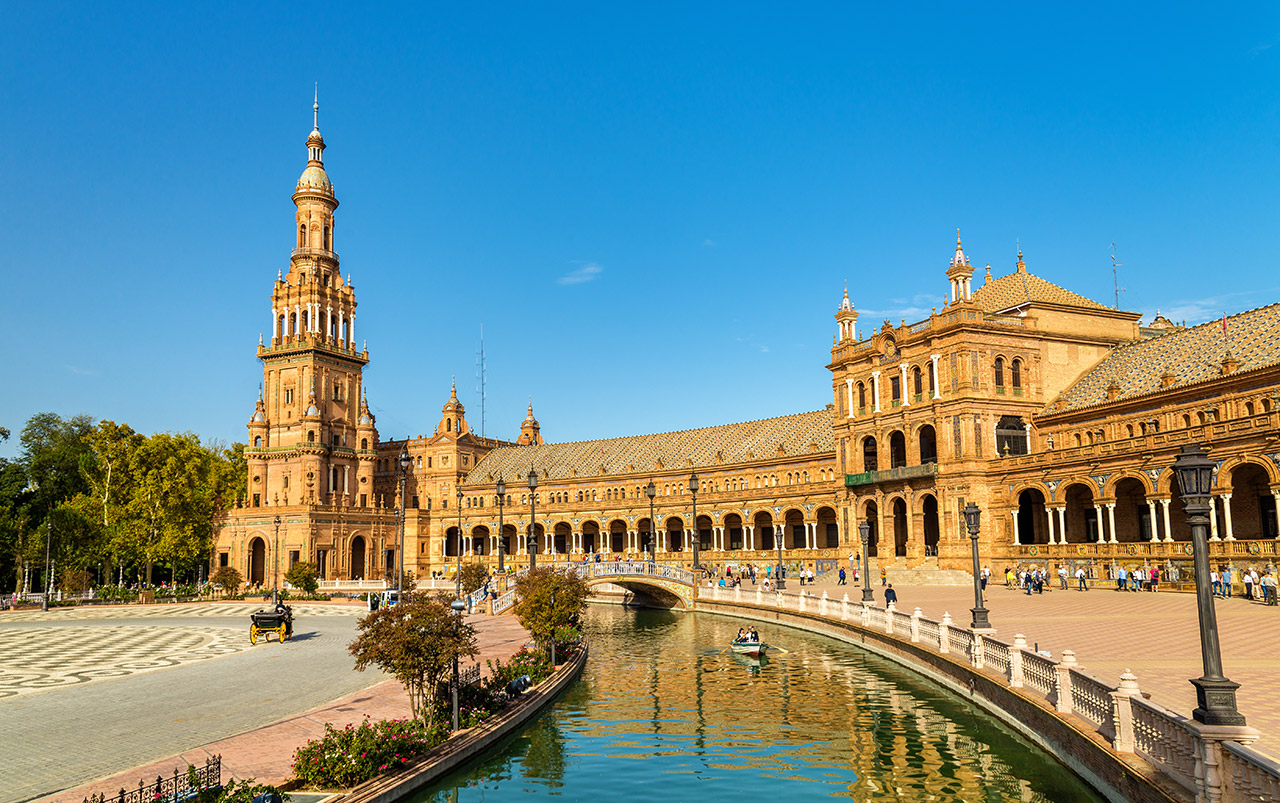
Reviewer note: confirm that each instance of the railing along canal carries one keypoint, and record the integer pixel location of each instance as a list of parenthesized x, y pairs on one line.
[(1208, 765)]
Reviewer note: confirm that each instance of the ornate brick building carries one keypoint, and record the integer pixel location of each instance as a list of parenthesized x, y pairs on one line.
[(1058, 415)]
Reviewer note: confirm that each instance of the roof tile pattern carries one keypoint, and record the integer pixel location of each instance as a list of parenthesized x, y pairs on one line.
[(1191, 355), (639, 454), (1020, 287)]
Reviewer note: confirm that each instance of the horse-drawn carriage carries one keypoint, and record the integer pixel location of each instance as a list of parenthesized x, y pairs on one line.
[(279, 621)]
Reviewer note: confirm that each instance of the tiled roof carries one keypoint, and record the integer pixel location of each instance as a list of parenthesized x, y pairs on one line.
[(1190, 356), (708, 447), (1021, 287)]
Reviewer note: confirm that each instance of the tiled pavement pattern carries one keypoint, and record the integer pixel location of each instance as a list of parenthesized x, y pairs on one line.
[(65, 736), (43, 658), (1156, 635), (266, 753)]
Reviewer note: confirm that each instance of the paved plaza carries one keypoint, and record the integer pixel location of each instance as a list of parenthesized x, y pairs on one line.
[(171, 678), (1155, 635)]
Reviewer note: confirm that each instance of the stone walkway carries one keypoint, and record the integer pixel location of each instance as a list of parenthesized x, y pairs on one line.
[(243, 706), (1156, 635)]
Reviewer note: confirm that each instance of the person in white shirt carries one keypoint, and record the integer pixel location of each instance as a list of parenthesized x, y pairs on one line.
[(1080, 578)]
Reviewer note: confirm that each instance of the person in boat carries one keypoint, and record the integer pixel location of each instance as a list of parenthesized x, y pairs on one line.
[(741, 637), (752, 636)]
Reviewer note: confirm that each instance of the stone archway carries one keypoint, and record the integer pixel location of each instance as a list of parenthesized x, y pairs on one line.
[(1253, 505), (899, 508), (873, 537), (1082, 517), (1033, 520), (733, 531), (828, 530), (932, 531), (1133, 516), (357, 557), (793, 530), (675, 534), (763, 523), (257, 562)]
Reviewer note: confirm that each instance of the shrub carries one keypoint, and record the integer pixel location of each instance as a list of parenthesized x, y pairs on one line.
[(534, 663), (229, 578), (303, 575), (354, 754), (472, 577)]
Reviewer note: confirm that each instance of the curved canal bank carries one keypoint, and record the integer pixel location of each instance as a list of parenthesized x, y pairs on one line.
[(663, 710)]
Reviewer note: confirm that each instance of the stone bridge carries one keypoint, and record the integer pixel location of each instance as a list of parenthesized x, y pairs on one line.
[(651, 584)]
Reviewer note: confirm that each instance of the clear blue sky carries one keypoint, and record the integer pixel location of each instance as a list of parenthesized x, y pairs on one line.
[(650, 209)]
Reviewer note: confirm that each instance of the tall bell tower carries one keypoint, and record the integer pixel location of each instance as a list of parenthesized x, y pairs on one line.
[(311, 438)]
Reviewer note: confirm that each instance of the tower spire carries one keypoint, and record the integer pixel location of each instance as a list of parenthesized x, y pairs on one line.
[(315, 110)]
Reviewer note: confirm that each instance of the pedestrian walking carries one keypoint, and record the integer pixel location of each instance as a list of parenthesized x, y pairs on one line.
[(884, 576), (1228, 577), (1122, 579), (841, 581), (890, 596), (1080, 578), (1247, 577), (1215, 582)]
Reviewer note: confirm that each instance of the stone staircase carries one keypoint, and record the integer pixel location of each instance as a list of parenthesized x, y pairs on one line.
[(926, 574)]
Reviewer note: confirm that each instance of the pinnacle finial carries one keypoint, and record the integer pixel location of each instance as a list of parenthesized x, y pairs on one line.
[(957, 239), (315, 109)]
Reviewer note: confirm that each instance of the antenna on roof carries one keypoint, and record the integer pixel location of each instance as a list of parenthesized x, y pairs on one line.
[(1115, 276), (480, 379)]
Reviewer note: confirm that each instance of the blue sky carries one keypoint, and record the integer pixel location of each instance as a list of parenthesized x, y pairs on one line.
[(650, 209)]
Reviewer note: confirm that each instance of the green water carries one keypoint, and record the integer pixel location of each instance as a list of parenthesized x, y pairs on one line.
[(661, 713)]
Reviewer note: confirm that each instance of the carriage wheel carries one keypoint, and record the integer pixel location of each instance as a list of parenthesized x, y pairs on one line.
[(253, 634), (280, 633)]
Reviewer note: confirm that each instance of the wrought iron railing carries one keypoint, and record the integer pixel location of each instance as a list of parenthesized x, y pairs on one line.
[(182, 785)]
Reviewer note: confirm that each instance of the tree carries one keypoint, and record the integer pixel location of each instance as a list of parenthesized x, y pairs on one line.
[(416, 642), (229, 578), (303, 575), (549, 603), (473, 577)]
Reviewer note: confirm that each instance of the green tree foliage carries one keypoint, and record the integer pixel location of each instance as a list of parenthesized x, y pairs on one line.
[(303, 575), (549, 604), (229, 578), (473, 576), (416, 642)]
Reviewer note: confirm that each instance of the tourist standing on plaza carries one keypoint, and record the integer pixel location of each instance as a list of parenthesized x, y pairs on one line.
[(890, 596), (1227, 578), (841, 581), (1080, 579), (884, 576), (1247, 577), (1062, 576), (1122, 579), (1215, 582)]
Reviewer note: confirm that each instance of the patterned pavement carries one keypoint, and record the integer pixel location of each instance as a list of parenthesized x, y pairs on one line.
[(229, 609)]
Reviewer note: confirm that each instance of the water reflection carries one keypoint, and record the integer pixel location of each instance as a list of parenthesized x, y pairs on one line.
[(663, 705)]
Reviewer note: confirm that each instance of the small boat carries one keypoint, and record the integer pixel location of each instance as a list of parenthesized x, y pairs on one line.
[(749, 647)]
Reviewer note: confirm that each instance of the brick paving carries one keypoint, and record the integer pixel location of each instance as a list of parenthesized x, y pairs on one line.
[(244, 707), (1156, 635)]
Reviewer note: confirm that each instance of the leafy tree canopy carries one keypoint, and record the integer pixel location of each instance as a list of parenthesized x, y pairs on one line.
[(548, 602)]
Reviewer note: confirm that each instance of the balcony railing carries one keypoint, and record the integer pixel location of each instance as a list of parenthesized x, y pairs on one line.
[(890, 474)]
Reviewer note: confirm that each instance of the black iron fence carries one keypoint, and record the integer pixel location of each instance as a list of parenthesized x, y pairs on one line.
[(183, 785)]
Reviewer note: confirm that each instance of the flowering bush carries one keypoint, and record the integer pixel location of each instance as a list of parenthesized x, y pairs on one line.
[(477, 702), (354, 754), (534, 663)]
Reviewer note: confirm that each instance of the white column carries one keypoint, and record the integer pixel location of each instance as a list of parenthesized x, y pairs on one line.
[(297, 315), (1062, 524), (1213, 519), (1111, 520), (344, 479), (848, 386), (342, 323), (1097, 509), (352, 333), (1052, 539), (906, 391), (1168, 531), (328, 321), (937, 383), (1276, 496), (1155, 525), (275, 324), (749, 534), (1014, 513), (1226, 516), (875, 387)]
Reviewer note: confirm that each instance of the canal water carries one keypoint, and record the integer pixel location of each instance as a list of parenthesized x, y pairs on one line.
[(663, 713)]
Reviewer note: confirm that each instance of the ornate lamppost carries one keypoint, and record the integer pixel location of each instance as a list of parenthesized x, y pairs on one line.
[(1215, 694), (502, 498), (457, 575), (697, 537), (275, 565), (777, 542), (405, 462), (532, 543), (457, 606), (48, 584), (651, 491), (864, 531), (972, 519)]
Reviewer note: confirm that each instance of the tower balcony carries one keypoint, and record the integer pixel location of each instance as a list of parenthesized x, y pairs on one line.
[(890, 475), (322, 253)]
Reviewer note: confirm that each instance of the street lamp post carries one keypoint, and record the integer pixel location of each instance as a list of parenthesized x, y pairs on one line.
[(697, 537), (864, 531), (972, 519), (651, 491), (532, 543), (457, 606), (777, 542), (502, 498), (457, 575), (48, 536), (1215, 694), (275, 566), (405, 462)]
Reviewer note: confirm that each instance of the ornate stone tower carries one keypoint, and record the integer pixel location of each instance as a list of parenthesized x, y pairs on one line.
[(960, 274), (530, 430), (311, 438)]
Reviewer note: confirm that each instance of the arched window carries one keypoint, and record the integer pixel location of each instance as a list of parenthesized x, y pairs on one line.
[(999, 371), (302, 236), (1015, 374), (895, 388), (1077, 438), (917, 381), (1186, 420), (327, 242), (1248, 408), (311, 436), (1129, 429), (933, 387), (257, 442), (862, 396), (364, 444)]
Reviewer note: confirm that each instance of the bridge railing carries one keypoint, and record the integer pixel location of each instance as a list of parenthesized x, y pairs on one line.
[(633, 568), (1180, 748)]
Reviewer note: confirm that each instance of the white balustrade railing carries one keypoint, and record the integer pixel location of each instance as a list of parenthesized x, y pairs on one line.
[(960, 641), (995, 655), (1165, 740), (929, 633), (1039, 673), (902, 624), (354, 585), (1248, 775), (504, 601), (1091, 700)]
